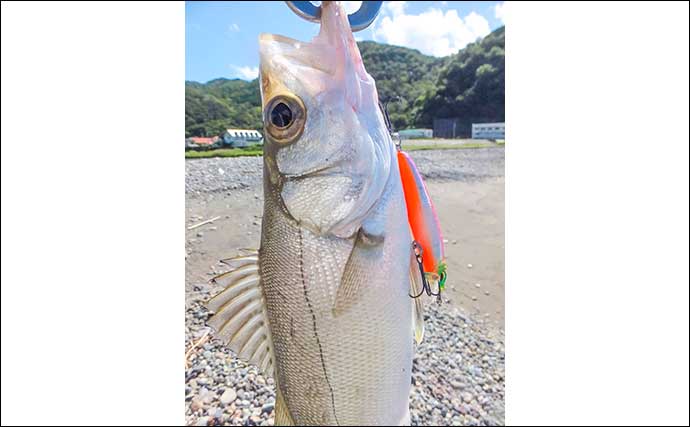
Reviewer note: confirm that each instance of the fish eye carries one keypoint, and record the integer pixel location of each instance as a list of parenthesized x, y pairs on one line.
[(284, 118), (281, 115)]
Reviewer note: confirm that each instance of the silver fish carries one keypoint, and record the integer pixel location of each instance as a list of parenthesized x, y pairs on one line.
[(324, 306)]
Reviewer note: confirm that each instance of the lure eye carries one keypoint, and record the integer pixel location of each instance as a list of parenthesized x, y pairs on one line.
[(284, 118)]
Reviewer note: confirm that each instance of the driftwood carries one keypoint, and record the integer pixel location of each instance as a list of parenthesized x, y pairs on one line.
[(192, 227), (196, 344)]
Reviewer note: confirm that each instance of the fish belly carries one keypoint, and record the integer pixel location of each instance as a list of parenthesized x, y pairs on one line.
[(350, 366)]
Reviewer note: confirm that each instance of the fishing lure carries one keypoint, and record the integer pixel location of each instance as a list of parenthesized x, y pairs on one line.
[(423, 220)]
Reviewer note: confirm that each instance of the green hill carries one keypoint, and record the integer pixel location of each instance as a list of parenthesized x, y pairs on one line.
[(221, 103), (468, 85)]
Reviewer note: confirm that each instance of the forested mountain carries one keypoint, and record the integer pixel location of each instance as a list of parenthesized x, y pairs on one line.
[(469, 85), (221, 103)]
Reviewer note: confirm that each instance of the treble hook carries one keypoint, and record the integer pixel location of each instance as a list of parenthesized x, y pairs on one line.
[(359, 20), (426, 287)]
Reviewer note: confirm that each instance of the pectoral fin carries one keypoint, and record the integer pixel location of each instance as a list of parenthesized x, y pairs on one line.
[(366, 251), (240, 318)]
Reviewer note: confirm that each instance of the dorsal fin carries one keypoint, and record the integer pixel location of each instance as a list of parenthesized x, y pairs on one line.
[(240, 316)]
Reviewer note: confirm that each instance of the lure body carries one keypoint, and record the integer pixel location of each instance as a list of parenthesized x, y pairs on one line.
[(423, 220)]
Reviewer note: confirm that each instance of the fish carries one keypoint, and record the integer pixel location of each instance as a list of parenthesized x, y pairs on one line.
[(324, 305)]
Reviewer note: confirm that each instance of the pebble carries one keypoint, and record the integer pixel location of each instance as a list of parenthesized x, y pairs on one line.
[(196, 404), (228, 396), (457, 385)]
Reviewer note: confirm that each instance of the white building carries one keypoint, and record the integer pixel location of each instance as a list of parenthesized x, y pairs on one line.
[(242, 137), (416, 133), (488, 131)]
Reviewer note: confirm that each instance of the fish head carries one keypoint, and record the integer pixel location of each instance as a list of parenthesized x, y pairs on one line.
[(327, 151)]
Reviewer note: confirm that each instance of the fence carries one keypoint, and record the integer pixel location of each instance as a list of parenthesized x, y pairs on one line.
[(452, 128)]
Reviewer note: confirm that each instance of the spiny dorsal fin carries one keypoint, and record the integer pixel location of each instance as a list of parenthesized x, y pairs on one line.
[(240, 316)]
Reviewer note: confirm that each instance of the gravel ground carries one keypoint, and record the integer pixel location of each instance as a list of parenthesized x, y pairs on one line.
[(216, 175), (458, 372), (226, 174), (467, 165)]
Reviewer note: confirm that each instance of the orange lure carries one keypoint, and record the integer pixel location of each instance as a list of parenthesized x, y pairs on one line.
[(423, 220)]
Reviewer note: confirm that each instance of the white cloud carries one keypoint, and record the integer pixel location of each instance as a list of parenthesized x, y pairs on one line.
[(498, 12), (433, 32), (394, 8), (477, 24), (231, 30), (247, 73)]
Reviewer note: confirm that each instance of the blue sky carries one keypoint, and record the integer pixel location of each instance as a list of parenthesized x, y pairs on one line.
[(221, 37)]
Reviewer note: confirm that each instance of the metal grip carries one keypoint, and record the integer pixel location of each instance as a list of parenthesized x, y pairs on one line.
[(359, 20)]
